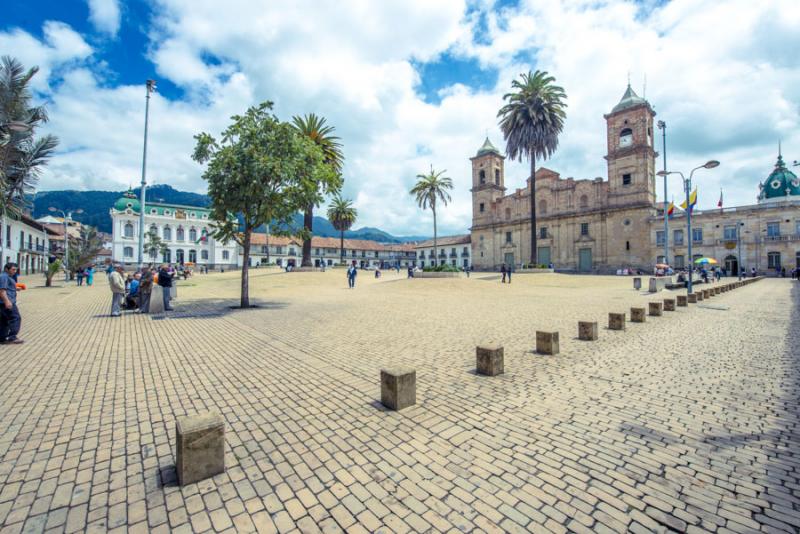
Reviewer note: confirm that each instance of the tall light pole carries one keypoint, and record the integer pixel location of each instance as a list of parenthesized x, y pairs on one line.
[(151, 86), (663, 127), (66, 216), (687, 186)]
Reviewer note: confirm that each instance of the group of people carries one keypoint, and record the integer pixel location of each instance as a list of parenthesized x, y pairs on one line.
[(134, 290), (85, 273)]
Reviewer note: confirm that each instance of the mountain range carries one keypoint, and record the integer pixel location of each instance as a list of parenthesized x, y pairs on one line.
[(96, 206)]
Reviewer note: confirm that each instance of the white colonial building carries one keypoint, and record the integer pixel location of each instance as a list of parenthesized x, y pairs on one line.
[(453, 250), (185, 230), (26, 243)]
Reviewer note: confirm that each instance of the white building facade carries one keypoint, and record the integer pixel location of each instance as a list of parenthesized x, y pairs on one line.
[(185, 230), (452, 250), (26, 243)]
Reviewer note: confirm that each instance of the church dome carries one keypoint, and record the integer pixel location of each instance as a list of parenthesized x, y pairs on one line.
[(629, 100), (127, 201), (487, 148), (780, 184)]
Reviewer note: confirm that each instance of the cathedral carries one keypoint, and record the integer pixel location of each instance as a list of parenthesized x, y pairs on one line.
[(602, 226)]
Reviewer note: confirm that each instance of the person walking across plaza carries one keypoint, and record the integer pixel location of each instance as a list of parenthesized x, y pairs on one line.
[(90, 275), (10, 319), (79, 274), (117, 284), (352, 272), (503, 271), (145, 290), (165, 281), (509, 270)]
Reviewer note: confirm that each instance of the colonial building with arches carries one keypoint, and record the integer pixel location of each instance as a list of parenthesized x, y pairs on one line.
[(184, 230), (603, 225)]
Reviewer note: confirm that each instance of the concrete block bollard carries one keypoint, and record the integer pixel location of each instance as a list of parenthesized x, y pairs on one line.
[(616, 321), (706, 294), (398, 387), (655, 309), (547, 342), (587, 331), (669, 304), (637, 315), (700, 296), (489, 360), (199, 447), (682, 301), (692, 298), (717, 290), (637, 283)]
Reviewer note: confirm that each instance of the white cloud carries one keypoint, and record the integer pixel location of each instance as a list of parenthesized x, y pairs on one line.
[(105, 16), (725, 85)]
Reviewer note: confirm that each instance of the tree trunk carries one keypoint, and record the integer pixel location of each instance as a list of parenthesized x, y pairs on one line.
[(341, 247), (245, 300), (435, 247), (308, 224), (533, 209)]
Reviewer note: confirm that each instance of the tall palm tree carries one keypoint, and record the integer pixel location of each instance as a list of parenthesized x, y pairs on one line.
[(531, 121), (342, 215), (316, 129), (22, 156), (429, 189)]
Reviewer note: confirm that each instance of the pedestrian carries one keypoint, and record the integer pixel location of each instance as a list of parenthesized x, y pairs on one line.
[(109, 268), (510, 270), (753, 272), (117, 284), (503, 271), (79, 274), (145, 290), (165, 281), (352, 272), (10, 319), (410, 271), (783, 272), (133, 296), (90, 275)]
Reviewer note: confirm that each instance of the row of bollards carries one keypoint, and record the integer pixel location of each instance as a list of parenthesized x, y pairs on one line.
[(200, 438)]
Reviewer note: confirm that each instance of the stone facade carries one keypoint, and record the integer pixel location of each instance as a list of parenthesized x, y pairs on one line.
[(597, 225)]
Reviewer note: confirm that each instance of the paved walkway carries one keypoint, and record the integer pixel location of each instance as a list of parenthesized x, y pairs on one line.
[(688, 422)]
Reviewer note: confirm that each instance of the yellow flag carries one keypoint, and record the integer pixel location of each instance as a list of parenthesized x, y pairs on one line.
[(692, 200)]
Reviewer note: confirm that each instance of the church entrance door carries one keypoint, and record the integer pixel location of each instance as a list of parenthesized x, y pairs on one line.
[(585, 260), (543, 255), (732, 265), (509, 258)]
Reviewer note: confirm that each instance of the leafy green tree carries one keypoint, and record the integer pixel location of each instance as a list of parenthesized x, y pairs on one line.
[(155, 246), (52, 269), (531, 121), (429, 189), (259, 169), (22, 155), (342, 216), (315, 128)]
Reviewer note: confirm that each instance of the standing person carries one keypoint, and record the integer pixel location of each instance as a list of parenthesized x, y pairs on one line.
[(510, 270), (503, 271), (109, 268), (10, 319), (352, 272), (145, 290), (410, 272), (79, 275), (116, 282), (753, 272), (90, 275), (165, 281), (132, 298)]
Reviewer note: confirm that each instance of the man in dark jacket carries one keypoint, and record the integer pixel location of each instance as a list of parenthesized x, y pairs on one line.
[(165, 281), (145, 289)]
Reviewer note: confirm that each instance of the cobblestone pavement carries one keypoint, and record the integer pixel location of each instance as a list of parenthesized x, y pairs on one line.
[(688, 422)]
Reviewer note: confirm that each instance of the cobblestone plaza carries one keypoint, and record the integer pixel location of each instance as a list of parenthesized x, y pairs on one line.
[(686, 422)]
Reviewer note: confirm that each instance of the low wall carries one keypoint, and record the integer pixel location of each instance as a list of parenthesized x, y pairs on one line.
[(438, 275), (533, 271)]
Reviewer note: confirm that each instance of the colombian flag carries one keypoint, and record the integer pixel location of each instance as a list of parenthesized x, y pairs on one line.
[(670, 209), (692, 201)]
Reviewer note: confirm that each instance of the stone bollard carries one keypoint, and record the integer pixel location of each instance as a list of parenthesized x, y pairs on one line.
[(717, 290), (669, 304), (489, 360), (637, 315), (682, 301), (398, 387), (692, 298), (637, 283), (700, 296), (655, 309), (547, 342), (587, 331), (616, 321), (707, 294), (199, 447)]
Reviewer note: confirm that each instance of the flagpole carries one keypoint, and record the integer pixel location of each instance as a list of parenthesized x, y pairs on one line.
[(663, 127)]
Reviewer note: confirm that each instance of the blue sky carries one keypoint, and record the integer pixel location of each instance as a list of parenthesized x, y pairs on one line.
[(408, 84)]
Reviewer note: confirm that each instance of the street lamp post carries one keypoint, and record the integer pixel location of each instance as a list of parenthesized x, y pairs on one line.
[(663, 127), (66, 216), (687, 186), (151, 86)]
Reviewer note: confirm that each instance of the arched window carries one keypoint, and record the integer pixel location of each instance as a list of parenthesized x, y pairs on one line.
[(153, 230), (179, 233), (127, 230), (127, 252), (167, 233), (625, 137), (167, 255), (179, 255), (204, 255), (584, 202), (497, 176), (192, 235), (192, 256), (482, 176), (542, 207)]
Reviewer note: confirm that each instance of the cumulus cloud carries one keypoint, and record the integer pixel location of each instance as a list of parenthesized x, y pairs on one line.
[(105, 16), (726, 88)]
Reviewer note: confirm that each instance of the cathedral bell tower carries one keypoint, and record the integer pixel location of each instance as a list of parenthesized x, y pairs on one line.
[(631, 157), (488, 179)]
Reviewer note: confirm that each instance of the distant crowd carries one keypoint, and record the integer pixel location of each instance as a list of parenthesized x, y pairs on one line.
[(132, 291)]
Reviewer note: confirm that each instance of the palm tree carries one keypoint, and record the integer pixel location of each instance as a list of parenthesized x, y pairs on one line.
[(428, 189), (21, 155), (314, 127), (342, 215), (531, 121)]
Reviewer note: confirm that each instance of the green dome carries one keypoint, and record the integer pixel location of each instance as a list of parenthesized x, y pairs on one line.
[(487, 148), (629, 100), (127, 201), (780, 184)]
